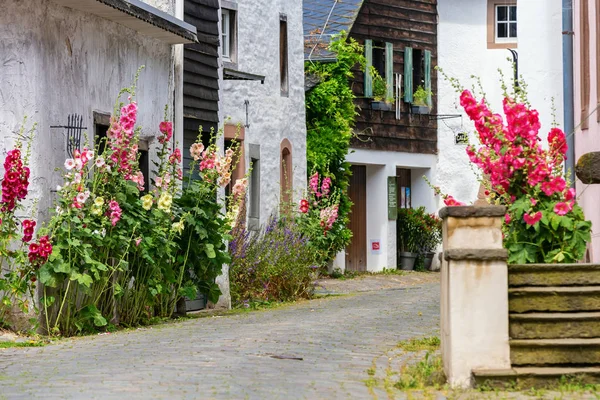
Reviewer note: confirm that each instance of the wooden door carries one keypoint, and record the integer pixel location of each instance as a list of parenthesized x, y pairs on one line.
[(356, 252)]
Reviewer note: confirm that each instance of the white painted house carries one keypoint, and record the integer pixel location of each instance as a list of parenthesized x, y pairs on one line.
[(473, 40), (262, 99), (65, 57)]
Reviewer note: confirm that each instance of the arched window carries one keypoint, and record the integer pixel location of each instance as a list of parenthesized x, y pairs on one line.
[(286, 179)]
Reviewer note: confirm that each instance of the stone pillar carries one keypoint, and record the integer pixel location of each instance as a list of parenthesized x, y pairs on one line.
[(474, 292)]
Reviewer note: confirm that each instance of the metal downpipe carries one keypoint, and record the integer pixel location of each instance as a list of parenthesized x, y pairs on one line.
[(569, 121)]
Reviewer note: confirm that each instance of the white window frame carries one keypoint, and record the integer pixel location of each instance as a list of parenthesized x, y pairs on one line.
[(508, 38), (226, 34)]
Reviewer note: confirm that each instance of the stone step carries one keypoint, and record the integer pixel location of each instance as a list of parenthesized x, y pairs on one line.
[(553, 275), (554, 325), (554, 299), (533, 377), (548, 352)]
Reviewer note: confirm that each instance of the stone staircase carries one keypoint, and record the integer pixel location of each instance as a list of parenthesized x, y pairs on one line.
[(554, 326)]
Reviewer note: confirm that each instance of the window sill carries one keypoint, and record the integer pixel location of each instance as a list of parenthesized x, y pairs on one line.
[(501, 45), (138, 16)]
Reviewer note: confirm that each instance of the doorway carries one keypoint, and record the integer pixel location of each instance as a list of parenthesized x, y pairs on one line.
[(356, 252)]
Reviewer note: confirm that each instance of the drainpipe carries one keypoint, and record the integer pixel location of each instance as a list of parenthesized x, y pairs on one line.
[(567, 44)]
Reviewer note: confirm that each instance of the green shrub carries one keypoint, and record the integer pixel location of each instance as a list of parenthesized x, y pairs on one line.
[(273, 264)]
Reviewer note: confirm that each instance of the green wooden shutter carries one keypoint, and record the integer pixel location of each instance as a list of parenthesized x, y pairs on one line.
[(408, 75), (389, 70), (368, 77), (427, 59)]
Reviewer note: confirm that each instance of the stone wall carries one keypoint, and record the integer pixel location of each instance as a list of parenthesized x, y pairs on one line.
[(55, 61), (271, 116)]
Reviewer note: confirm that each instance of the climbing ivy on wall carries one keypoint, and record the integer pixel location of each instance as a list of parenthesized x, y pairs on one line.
[(330, 117)]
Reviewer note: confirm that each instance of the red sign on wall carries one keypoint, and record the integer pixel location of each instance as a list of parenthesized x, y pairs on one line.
[(375, 246)]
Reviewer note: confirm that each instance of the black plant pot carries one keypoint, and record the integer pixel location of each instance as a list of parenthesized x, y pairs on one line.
[(381, 106), (423, 110), (428, 260), (406, 260)]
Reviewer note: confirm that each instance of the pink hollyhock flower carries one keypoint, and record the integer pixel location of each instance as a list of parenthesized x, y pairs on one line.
[(325, 186), (166, 128), (557, 141), (507, 218), (532, 219), (175, 157), (533, 201), (69, 164), (304, 206), (452, 202), (196, 151), (562, 208), (314, 183), (138, 241), (570, 194)]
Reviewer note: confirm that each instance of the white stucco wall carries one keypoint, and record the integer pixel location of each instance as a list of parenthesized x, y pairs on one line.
[(272, 117), (381, 165), (55, 61), (463, 52)]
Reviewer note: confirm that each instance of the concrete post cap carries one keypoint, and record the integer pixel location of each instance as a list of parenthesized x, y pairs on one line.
[(472, 211)]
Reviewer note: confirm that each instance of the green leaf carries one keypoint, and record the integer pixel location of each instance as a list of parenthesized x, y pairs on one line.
[(82, 279), (46, 276), (47, 301), (209, 249)]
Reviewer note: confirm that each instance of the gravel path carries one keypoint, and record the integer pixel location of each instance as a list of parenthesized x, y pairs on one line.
[(318, 349)]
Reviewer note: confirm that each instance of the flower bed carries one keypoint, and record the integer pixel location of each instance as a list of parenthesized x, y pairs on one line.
[(111, 252)]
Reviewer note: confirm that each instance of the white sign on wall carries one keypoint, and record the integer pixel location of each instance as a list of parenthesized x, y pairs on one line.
[(375, 246)]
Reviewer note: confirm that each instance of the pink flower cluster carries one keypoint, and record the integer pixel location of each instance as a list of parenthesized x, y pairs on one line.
[(452, 202), (175, 157), (196, 151), (213, 166), (314, 185), (304, 206), (122, 142), (239, 189), (15, 182), (114, 212), (28, 226), (512, 157), (328, 217), (166, 128), (39, 252)]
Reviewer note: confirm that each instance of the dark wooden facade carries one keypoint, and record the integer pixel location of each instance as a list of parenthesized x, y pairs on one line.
[(403, 23), (201, 72)]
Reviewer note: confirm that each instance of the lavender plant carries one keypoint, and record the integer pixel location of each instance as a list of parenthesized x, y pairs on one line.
[(274, 264)]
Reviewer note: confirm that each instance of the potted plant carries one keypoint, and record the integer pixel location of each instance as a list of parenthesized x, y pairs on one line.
[(380, 102), (419, 104), (406, 234), (431, 238)]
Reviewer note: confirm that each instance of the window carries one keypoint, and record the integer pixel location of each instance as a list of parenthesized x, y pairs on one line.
[(501, 24), (228, 35), (286, 177), (506, 23), (283, 54), (144, 162), (380, 57), (417, 72), (101, 126), (254, 187)]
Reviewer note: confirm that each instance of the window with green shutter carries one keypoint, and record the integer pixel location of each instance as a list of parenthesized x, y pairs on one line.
[(368, 77), (389, 70), (427, 73), (408, 75)]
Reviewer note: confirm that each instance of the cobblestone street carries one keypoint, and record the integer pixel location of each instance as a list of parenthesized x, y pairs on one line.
[(318, 349)]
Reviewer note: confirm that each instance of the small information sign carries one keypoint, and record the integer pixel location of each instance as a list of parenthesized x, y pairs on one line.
[(392, 192)]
